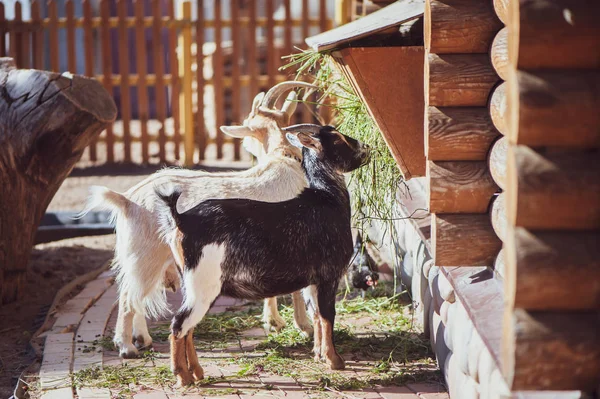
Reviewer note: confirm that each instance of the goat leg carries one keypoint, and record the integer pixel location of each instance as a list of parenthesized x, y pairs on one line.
[(333, 359), (179, 364), (300, 317), (192, 357)]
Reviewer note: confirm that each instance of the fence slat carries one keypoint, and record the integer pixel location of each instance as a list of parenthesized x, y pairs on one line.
[(71, 55), (53, 36), (37, 39), (200, 130), (305, 19), (124, 71), (272, 51), (288, 46), (26, 47), (141, 59), (2, 31), (252, 56), (235, 74), (185, 100), (175, 84), (323, 15), (159, 71), (16, 38), (218, 80), (88, 39), (107, 71)]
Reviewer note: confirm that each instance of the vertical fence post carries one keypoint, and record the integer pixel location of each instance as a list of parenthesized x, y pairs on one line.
[(218, 86), (159, 71), (343, 12), (71, 56), (201, 132), (236, 87), (37, 40), (53, 35), (2, 31), (88, 38), (186, 111), (174, 65), (140, 46)]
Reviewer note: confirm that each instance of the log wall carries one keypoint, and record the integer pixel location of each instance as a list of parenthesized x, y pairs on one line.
[(549, 215)]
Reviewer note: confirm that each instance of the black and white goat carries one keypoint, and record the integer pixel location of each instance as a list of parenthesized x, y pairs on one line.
[(253, 250)]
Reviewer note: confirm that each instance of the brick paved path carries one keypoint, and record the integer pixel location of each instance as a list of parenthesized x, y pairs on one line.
[(74, 346)]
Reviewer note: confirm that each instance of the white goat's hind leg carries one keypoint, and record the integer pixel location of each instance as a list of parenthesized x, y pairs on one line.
[(141, 335), (312, 303), (201, 286), (272, 320), (123, 338), (300, 317)]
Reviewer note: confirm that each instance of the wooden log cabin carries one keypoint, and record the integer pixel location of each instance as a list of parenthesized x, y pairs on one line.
[(504, 267)]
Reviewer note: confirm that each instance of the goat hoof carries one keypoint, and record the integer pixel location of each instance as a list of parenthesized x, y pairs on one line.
[(197, 372), (274, 325), (184, 380), (128, 351), (306, 328), (336, 363)]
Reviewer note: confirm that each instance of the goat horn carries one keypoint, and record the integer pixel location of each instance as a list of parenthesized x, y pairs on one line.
[(276, 91), (290, 104), (303, 127)]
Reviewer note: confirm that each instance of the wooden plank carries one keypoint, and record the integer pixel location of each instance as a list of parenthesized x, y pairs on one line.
[(159, 62), (501, 9), (545, 105), (107, 71), (459, 186), (235, 75), (499, 108), (558, 191), (459, 134), (305, 19), (16, 37), (88, 48), (323, 25), (3, 31), (25, 44), (459, 26), (464, 240), (498, 216), (551, 350), (381, 20), (185, 100), (252, 54), (141, 59), (124, 70), (175, 82), (571, 26), (400, 121), (460, 80), (53, 36), (218, 80), (288, 28), (548, 265), (71, 54), (499, 54), (201, 133), (37, 39), (497, 162), (271, 49)]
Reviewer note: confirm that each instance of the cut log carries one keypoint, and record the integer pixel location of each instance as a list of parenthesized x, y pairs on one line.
[(501, 8), (464, 240), (554, 191), (551, 350), (46, 121), (554, 270), (460, 80), (546, 105), (459, 26), (498, 108), (571, 28), (498, 216), (497, 162), (459, 187), (499, 264), (499, 53), (459, 134)]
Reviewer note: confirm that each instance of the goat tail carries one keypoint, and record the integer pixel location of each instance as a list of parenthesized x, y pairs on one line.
[(104, 199), (167, 195)]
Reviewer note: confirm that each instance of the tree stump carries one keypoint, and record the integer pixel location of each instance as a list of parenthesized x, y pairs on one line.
[(46, 121)]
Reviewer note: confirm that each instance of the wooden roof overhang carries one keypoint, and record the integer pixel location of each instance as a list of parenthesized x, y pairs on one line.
[(387, 73)]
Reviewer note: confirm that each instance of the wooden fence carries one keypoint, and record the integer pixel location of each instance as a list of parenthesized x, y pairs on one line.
[(177, 70)]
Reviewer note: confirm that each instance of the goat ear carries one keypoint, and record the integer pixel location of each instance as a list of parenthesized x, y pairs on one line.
[(237, 131), (304, 140)]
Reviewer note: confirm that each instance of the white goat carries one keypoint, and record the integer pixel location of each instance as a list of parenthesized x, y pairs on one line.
[(145, 265)]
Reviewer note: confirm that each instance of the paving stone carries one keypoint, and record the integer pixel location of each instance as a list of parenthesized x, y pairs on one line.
[(429, 391), (67, 319), (58, 377), (363, 394), (61, 393), (93, 393), (218, 309), (56, 361), (152, 395), (395, 392), (255, 332)]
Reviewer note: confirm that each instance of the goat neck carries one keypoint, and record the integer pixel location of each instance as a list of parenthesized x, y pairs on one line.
[(323, 177)]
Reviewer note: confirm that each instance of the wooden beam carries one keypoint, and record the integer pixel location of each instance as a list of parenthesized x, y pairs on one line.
[(501, 8), (498, 216), (498, 108), (545, 105), (459, 26), (554, 270), (500, 264), (459, 134), (459, 187), (553, 191), (499, 53), (569, 27), (460, 80), (551, 350), (497, 162), (464, 240)]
